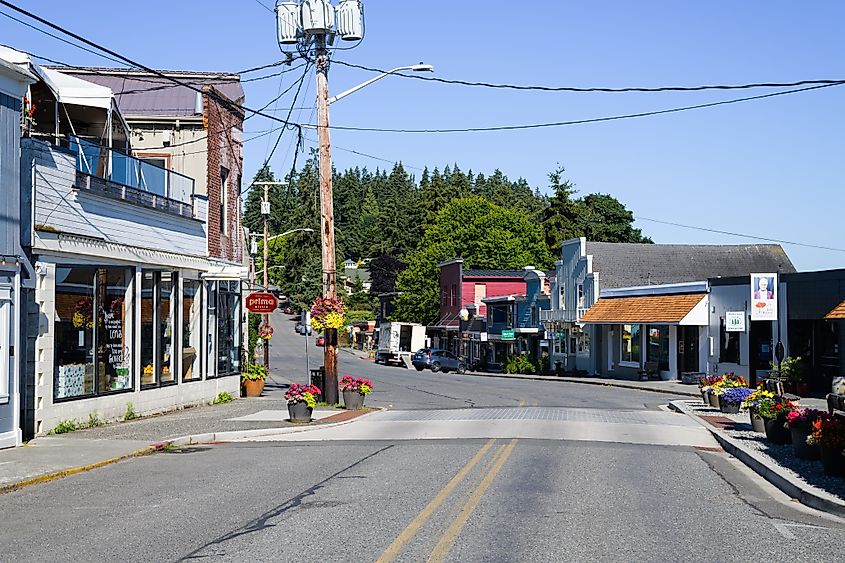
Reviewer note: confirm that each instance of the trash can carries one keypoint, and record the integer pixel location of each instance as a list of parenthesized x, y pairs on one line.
[(318, 378)]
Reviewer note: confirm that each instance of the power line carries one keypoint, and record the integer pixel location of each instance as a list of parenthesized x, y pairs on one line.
[(265, 6), (767, 239), (600, 89), (220, 99), (575, 122)]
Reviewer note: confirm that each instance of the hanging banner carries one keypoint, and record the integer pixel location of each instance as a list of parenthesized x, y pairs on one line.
[(764, 297)]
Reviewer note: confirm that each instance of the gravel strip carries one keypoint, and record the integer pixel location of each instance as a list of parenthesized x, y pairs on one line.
[(809, 471)]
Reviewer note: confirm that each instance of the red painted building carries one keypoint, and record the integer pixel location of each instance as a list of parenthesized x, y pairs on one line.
[(463, 289)]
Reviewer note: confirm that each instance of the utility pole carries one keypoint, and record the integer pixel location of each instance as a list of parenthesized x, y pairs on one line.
[(326, 211), (266, 206)]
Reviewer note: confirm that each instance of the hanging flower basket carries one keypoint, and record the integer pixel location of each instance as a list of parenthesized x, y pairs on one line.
[(265, 332), (328, 312)]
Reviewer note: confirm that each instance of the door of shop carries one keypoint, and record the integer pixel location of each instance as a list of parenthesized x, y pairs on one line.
[(761, 350), (687, 349)]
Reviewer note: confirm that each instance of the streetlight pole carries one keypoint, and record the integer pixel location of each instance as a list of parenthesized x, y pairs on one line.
[(265, 214)]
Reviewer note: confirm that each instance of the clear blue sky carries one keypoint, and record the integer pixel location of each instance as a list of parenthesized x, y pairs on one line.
[(770, 168)]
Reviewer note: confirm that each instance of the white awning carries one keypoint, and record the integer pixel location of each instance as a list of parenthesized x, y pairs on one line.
[(72, 90)]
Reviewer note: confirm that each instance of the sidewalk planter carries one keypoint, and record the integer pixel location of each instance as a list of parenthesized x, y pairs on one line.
[(729, 408), (775, 432), (253, 387), (758, 423), (714, 400), (833, 461), (353, 400), (800, 446), (300, 412), (705, 396)]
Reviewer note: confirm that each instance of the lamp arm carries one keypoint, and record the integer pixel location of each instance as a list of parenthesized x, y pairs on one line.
[(354, 89)]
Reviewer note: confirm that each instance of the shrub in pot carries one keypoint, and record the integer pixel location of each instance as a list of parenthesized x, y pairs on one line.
[(252, 380), (800, 421), (829, 435), (354, 391)]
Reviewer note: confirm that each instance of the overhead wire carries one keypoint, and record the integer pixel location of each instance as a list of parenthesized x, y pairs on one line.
[(600, 89), (573, 122), (729, 233)]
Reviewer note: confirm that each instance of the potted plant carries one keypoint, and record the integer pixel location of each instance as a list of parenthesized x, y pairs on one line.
[(252, 380), (800, 421), (732, 398), (301, 401), (829, 435), (752, 402), (354, 391), (793, 371), (328, 314), (773, 412), (705, 385)]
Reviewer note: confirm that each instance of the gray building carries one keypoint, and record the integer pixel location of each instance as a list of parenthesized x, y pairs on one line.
[(587, 269), (15, 270)]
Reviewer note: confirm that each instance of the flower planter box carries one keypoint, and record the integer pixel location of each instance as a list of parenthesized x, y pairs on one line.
[(729, 408), (775, 432), (253, 387), (353, 400), (714, 400), (300, 412), (758, 423), (833, 462), (800, 446)]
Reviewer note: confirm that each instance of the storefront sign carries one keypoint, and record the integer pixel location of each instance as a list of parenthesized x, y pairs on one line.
[(735, 321), (508, 335), (261, 302), (764, 297)]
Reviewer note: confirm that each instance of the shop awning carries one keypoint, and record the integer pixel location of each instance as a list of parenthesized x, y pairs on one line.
[(72, 90), (688, 310), (837, 313)]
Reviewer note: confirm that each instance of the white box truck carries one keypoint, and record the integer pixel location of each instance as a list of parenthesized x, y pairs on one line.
[(398, 341)]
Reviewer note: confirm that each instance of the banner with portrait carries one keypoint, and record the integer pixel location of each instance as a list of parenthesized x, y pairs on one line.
[(764, 297)]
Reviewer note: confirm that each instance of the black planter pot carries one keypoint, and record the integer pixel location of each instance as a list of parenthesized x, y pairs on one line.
[(800, 446), (729, 408), (833, 462), (300, 412), (758, 423), (353, 400), (775, 432)]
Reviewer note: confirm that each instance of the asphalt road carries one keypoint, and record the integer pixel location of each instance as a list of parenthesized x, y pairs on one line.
[(508, 498)]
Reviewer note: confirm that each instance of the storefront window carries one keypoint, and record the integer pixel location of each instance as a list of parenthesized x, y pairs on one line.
[(729, 345), (157, 322), (114, 350), (147, 328), (74, 332), (631, 344), (584, 342), (228, 328), (658, 346), (191, 330), (165, 322)]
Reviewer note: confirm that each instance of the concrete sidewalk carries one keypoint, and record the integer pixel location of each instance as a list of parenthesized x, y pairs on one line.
[(51, 457)]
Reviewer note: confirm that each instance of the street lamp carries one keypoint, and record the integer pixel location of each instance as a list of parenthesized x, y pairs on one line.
[(301, 229), (421, 67), (312, 25)]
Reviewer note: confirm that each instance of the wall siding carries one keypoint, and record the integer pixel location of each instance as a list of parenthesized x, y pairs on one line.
[(59, 207)]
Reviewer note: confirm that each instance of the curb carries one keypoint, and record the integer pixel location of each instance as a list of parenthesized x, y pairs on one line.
[(81, 469), (180, 441), (803, 492), (230, 435), (587, 381)]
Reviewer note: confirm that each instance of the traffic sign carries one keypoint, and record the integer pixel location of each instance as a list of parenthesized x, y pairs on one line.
[(261, 302)]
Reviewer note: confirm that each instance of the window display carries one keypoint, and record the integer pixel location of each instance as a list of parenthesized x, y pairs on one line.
[(113, 348), (191, 330), (157, 323), (631, 344), (165, 324), (228, 328), (148, 376)]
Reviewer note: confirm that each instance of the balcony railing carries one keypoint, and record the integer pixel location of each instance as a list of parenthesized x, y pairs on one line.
[(114, 166)]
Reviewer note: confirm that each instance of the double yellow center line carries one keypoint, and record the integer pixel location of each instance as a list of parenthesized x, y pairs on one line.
[(450, 535)]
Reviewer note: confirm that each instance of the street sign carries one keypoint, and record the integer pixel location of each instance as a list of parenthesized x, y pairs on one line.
[(508, 334), (261, 302)]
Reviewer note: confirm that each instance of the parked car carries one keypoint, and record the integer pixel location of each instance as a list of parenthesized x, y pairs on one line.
[(437, 360), (288, 310), (321, 341), (301, 328)]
